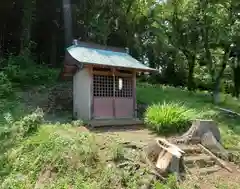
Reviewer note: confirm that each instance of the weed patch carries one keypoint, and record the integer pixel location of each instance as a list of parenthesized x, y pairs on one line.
[(117, 152), (168, 118)]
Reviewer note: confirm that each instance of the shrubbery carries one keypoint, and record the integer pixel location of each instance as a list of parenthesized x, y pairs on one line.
[(23, 71), (5, 85), (13, 131), (30, 123), (168, 118)]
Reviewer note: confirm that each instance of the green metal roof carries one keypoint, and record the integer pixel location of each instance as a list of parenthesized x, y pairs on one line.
[(105, 57)]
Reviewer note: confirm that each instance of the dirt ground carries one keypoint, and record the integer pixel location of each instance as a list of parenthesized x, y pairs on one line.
[(135, 134), (142, 136)]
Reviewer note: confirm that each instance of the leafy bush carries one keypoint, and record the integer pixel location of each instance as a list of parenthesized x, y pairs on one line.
[(23, 71), (168, 117), (5, 85), (30, 123), (23, 127)]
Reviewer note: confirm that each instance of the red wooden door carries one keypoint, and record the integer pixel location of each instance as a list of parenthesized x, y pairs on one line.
[(124, 101), (112, 97), (103, 105)]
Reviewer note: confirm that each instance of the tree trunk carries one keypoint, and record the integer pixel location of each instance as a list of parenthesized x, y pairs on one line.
[(191, 66), (28, 9), (191, 58), (217, 83), (236, 77), (53, 51), (216, 91), (67, 15)]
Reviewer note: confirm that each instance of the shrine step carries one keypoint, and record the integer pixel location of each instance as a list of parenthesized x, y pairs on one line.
[(206, 170), (190, 149), (200, 160), (115, 122)]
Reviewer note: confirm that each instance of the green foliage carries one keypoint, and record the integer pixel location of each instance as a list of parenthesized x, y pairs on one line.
[(30, 123), (230, 139), (168, 117), (77, 123), (194, 105), (60, 151), (30, 150), (14, 131), (171, 183), (117, 152), (5, 85), (22, 71)]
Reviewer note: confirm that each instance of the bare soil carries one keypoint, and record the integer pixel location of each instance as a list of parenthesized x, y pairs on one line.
[(142, 136)]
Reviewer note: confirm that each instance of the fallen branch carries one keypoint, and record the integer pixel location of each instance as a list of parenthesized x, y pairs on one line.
[(219, 161), (228, 111)]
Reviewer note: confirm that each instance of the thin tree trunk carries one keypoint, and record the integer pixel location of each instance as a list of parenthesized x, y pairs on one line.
[(191, 66), (191, 58), (67, 15), (217, 83), (53, 50), (28, 9), (236, 76)]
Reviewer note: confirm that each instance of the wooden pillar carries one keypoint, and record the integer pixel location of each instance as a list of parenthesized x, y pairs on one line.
[(114, 89), (90, 69), (134, 95)]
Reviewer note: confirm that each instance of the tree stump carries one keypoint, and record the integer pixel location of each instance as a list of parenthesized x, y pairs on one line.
[(209, 141), (198, 129), (165, 157), (207, 133)]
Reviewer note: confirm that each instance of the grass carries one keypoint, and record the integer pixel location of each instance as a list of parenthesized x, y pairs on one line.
[(59, 156), (34, 154), (168, 117), (198, 105)]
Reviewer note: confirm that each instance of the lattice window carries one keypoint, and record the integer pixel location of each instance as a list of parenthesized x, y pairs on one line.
[(123, 86), (102, 86)]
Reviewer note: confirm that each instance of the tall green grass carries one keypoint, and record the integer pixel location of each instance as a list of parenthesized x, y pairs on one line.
[(169, 118)]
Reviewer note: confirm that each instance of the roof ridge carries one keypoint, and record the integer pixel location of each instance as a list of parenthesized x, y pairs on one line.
[(98, 46)]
